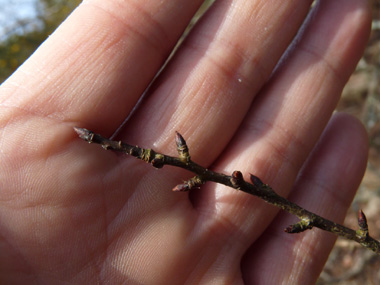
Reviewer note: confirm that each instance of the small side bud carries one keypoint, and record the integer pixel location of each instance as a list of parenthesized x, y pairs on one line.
[(181, 188), (158, 161), (362, 220), (292, 229), (190, 184), (260, 185), (182, 148), (237, 179), (301, 226), (256, 181), (362, 232)]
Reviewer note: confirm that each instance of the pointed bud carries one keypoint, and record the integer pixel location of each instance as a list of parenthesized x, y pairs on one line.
[(181, 188), (362, 232), (256, 181), (190, 184), (182, 148), (362, 220), (180, 141), (84, 134)]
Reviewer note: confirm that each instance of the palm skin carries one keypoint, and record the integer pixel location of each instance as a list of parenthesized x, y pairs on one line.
[(70, 212)]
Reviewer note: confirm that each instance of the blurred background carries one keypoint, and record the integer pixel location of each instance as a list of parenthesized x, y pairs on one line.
[(25, 24)]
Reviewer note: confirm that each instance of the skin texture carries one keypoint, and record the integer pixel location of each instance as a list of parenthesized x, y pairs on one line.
[(242, 98)]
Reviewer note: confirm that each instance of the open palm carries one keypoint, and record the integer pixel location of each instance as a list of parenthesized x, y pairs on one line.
[(241, 96)]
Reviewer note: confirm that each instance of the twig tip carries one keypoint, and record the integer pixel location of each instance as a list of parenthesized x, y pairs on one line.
[(84, 134)]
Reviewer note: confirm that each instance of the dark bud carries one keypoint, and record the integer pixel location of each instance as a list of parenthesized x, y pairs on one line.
[(157, 163), (362, 220), (180, 141), (362, 233), (256, 181), (237, 179), (237, 175), (292, 229), (134, 151), (182, 148)]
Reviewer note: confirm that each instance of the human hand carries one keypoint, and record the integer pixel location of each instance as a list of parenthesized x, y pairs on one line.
[(70, 212)]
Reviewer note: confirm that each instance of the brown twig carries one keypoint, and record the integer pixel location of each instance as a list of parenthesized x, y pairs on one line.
[(308, 220)]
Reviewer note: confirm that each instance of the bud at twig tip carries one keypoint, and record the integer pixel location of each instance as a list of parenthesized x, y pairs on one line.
[(84, 134)]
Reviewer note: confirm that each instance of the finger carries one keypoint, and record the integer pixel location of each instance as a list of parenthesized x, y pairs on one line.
[(290, 114), (326, 186), (89, 72), (208, 88), (96, 65)]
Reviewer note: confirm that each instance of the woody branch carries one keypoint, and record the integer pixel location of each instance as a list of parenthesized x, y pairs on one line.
[(308, 220)]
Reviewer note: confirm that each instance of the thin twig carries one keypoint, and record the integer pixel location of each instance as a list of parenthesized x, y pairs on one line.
[(308, 220)]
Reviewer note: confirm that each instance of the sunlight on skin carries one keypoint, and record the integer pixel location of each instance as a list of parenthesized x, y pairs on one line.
[(70, 212)]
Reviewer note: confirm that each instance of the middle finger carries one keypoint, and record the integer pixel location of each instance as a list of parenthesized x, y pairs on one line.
[(207, 89)]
